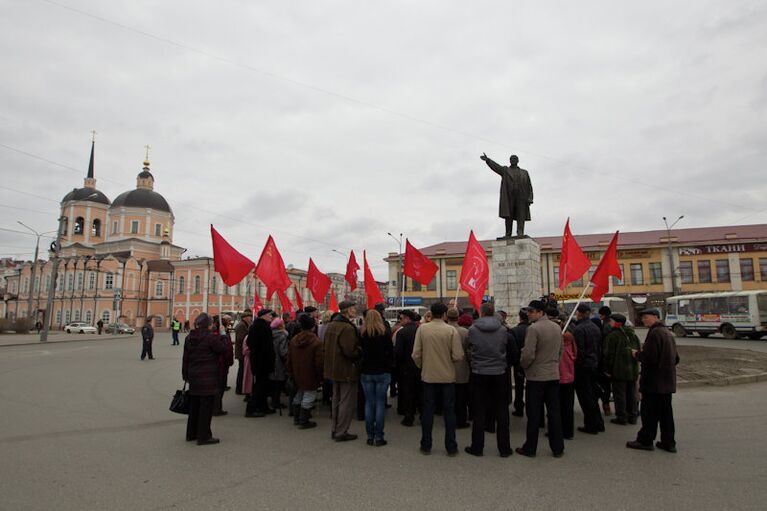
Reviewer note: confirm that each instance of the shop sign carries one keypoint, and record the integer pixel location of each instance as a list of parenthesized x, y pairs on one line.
[(723, 249)]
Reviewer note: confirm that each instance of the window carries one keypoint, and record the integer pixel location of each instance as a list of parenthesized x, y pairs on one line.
[(58, 317), (656, 273), (88, 317), (105, 316), (157, 230), (37, 283), (737, 304), (181, 286), (197, 285), (637, 276), (92, 280), (68, 317), (70, 282), (616, 281), (64, 228), (747, 270), (47, 283), (452, 283), (704, 271), (158, 321), (96, 228), (722, 270), (685, 271), (109, 280), (77, 315), (213, 285), (134, 227), (114, 227), (79, 225), (763, 268), (416, 285), (79, 281), (26, 284), (432, 285), (158, 288)]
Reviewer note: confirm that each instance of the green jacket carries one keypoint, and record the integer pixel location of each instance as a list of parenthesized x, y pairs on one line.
[(618, 361)]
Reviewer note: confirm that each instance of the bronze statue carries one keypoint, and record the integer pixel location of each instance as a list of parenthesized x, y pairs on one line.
[(516, 194)]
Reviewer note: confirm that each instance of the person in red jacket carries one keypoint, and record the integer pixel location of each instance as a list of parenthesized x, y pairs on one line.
[(566, 385)]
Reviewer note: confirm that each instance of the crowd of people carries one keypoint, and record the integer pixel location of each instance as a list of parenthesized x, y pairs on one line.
[(468, 369)]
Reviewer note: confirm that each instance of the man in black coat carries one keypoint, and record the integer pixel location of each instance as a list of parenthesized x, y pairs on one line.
[(588, 341), (518, 334), (147, 336), (409, 373), (657, 383), (261, 346)]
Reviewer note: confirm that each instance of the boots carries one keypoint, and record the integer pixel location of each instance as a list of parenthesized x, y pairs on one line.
[(303, 420), (295, 411)]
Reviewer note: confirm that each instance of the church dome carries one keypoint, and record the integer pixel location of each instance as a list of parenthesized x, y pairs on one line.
[(141, 198), (86, 194)]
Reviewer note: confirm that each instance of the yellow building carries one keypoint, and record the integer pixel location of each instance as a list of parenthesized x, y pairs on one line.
[(654, 265)]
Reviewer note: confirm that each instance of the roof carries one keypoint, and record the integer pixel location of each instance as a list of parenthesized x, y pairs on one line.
[(84, 194), (141, 198), (159, 265), (692, 236)]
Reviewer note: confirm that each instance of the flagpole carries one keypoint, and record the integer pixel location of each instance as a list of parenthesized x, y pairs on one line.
[(457, 290), (588, 285)]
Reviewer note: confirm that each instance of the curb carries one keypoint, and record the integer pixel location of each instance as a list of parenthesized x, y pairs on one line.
[(49, 342), (723, 382)]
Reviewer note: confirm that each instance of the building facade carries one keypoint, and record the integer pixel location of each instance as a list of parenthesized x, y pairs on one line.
[(655, 265)]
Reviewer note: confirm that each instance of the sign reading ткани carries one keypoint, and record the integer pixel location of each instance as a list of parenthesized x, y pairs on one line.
[(722, 249)]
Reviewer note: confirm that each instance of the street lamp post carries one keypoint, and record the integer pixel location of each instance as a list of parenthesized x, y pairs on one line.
[(345, 283), (401, 275), (674, 286), (56, 248), (34, 264)]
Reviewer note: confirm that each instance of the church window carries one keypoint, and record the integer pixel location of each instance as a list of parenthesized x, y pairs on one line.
[(134, 227), (79, 225), (157, 230), (96, 229)]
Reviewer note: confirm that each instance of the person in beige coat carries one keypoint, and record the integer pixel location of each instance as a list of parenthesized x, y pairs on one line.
[(462, 373), (436, 350), (540, 360)]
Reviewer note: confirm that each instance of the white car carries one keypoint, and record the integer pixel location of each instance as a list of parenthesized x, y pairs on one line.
[(80, 328)]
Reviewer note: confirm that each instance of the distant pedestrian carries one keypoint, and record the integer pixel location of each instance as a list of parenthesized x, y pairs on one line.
[(261, 352), (200, 368), (99, 326), (657, 383), (175, 328), (489, 347), (304, 364), (622, 369), (540, 360), (147, 336), (186, 326), (518, 334), (605, 383), (588, 341), (436, 349), (342, 353)]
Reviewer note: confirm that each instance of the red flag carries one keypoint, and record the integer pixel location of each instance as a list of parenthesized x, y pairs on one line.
[(417, 266), (230, 264), (299, 301), (333, 304), (608, 267), (285, 301), (317, 282), (271, 269), (573, 263), (372, 292), (475, 271), (351, 271), (257, 305)]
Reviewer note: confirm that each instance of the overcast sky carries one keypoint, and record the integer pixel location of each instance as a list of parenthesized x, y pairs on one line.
[(328, 124)]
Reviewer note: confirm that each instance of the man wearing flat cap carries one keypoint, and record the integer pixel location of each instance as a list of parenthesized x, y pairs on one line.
[(342, 351), (240, 332), (622, 369), (588, 341), (261, 346), (657, 383)]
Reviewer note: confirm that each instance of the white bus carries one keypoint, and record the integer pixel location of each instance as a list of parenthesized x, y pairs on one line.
[(391, 314), (617, 305), (733, 314)]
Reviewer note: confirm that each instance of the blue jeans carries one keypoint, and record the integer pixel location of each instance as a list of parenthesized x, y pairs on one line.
[(375, 387), (427, 418)]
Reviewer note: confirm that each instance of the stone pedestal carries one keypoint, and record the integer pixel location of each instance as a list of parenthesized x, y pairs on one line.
[(516, 275)]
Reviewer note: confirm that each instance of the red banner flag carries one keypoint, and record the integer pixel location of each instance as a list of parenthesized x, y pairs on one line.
[(417, 266), (257, 305), (351, 271), (230, 264), (317, 282), (299, 300), (333, 304), (271, 269), (573, 263), (285, 302), (475, 271), (608, 267), (372, 292)]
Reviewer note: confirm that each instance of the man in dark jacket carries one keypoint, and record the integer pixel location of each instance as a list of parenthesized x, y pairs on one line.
[(342, 351), (622, 369), (147, 336), (588, 341), (409, 373), (261, 346), (518, 334), (657, 382), (604, 382), (488, 343), (240, 332)]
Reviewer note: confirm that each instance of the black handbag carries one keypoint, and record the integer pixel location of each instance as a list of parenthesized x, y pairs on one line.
[(180, 402)]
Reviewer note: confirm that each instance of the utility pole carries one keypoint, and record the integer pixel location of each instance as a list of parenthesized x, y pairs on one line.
[(55, 248), (674, 286), (34, 265), (400, 290)]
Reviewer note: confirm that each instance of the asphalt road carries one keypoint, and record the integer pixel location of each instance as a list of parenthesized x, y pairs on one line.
[(85, 425)]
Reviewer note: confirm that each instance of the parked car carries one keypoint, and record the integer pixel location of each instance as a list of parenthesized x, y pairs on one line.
[(120, 328), (80, 328)]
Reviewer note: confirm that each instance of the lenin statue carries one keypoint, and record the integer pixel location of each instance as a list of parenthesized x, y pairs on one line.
[(516, 195)]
